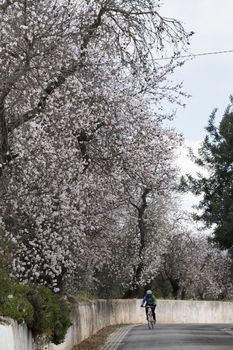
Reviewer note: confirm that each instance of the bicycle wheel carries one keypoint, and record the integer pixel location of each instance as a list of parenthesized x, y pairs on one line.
[(151, 324), (150, 319)]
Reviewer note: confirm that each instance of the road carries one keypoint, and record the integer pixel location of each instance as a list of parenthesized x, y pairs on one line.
[(176, 337)]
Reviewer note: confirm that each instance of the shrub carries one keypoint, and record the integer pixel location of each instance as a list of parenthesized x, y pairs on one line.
[(51, 315), (13, 300), (46, 314)]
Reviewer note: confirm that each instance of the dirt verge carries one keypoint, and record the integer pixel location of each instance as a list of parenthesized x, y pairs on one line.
[(98, 339)]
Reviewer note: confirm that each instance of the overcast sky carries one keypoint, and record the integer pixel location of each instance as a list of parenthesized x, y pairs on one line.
[(208, 79)]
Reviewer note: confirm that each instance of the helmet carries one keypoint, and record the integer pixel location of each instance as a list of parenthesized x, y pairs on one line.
[(149, 291)]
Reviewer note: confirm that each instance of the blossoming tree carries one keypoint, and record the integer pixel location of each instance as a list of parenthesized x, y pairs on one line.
[(81, 128)]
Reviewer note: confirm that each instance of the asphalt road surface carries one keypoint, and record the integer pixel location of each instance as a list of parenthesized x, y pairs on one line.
[(177, 337)]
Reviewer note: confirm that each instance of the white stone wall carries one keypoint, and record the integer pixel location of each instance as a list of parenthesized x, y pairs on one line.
[(192, 311), (14, 336)]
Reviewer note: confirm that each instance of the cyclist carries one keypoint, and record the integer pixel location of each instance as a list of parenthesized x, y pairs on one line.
[(149, 300)]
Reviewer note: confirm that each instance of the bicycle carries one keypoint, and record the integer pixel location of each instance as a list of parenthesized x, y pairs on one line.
[(150, 320)]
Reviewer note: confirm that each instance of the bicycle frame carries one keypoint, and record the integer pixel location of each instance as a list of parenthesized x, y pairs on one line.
[(150, 319)]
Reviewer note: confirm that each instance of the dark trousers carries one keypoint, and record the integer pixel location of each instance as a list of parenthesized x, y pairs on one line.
[(152, 309)]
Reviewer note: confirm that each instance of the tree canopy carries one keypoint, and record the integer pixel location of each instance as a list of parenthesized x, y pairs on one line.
[(216, 185), (80, 141)]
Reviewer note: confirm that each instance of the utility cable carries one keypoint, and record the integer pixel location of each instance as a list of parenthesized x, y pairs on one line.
[(193, 55)]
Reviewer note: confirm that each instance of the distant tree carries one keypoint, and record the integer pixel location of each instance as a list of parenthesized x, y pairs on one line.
[(196, 268), (152, 229), (216, 157), (136, 253)]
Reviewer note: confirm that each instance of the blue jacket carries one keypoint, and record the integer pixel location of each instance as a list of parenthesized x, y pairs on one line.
[(147, 299)]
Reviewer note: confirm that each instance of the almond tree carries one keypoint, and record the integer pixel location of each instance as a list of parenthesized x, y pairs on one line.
[(136, 255), (79, 136), (197, 268)]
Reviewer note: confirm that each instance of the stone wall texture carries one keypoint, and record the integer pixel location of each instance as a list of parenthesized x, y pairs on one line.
[(14, 336)]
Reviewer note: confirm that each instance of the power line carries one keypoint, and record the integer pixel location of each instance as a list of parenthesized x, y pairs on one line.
[(191, 55), (194, 55)]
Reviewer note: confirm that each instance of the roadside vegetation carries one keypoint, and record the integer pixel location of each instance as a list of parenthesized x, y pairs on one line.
[(45, 313)]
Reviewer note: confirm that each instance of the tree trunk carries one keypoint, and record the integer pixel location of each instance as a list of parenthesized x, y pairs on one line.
[(183, 293), (4, 147), (175, 287), (134, 287)]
